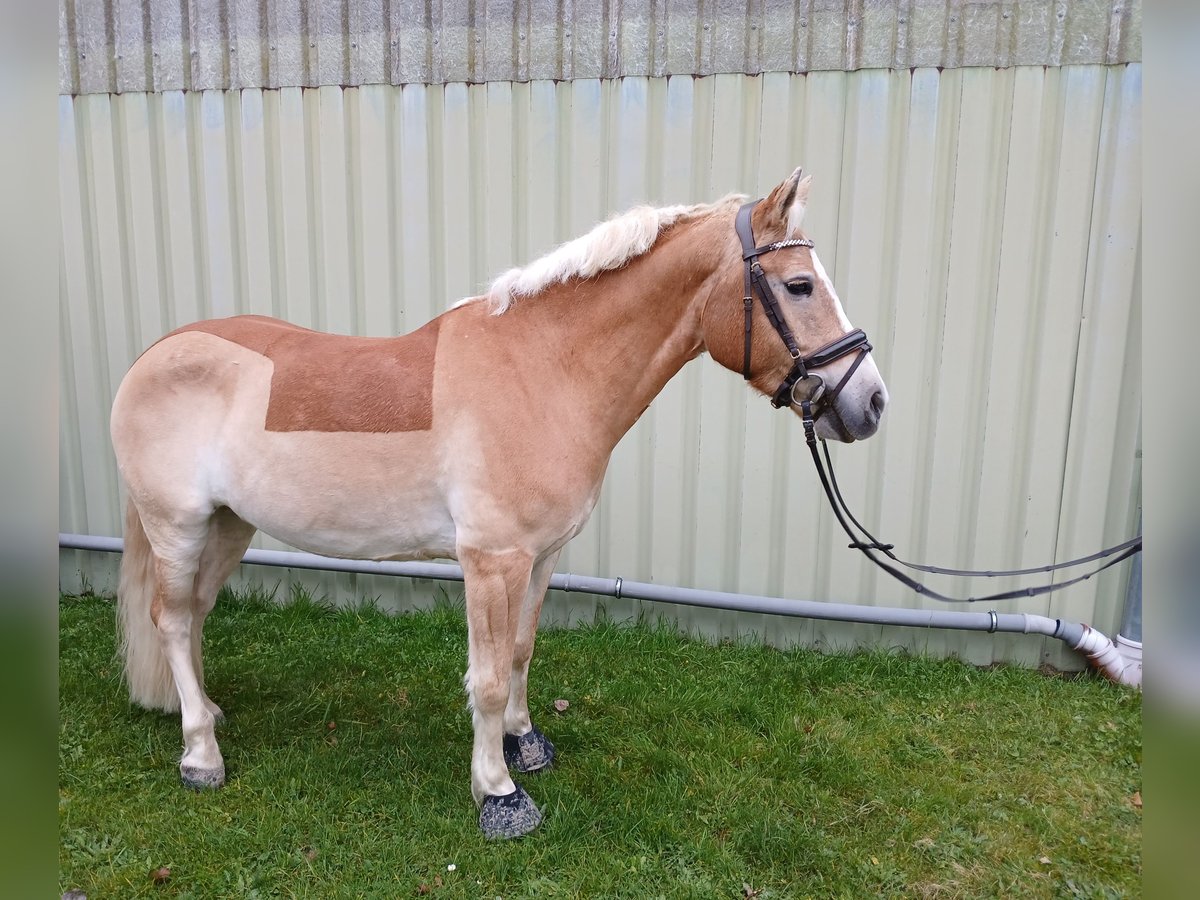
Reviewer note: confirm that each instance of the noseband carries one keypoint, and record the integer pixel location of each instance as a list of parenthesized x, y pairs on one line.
[(756, 281)]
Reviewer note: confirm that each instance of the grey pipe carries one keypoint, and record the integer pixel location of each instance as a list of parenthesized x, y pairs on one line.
[(1017, 623), (1131, 623)]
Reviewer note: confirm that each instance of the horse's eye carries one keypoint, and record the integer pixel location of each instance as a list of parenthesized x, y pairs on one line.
[(799, 287)]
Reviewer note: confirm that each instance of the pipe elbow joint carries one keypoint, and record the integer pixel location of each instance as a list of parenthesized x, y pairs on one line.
[(1104, 655)]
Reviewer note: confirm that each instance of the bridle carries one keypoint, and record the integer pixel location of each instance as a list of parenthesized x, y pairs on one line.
[(818, 398), (756, 281)]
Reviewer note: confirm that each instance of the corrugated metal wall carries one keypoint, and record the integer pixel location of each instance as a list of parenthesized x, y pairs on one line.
[(982, 225), (113, 46)]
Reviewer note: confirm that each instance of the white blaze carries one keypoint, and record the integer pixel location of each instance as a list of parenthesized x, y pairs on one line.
[(823, 277)]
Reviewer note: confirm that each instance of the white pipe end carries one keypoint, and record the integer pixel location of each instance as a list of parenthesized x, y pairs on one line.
[(1131, 651), (1106, 657)]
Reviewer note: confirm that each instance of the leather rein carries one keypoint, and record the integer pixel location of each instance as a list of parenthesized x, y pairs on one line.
[(818, 399)]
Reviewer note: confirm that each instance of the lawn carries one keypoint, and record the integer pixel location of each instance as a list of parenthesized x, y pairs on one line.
[(684, 769)]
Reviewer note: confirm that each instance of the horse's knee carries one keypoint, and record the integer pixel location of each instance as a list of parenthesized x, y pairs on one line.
[(487, 691), (522, 654)]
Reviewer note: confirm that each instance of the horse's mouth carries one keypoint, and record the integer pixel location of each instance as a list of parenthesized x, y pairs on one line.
[(857, 429), (829, 416)]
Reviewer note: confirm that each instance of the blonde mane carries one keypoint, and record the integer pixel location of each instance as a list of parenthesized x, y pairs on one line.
[(609, 245)]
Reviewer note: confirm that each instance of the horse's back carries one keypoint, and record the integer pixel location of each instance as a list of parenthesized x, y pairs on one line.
[(325, 382)]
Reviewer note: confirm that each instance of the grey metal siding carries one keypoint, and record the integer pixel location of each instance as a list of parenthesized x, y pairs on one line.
[(982, 225), (114, 46)]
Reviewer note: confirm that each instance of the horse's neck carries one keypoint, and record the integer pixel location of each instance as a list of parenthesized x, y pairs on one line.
[(622, 336)]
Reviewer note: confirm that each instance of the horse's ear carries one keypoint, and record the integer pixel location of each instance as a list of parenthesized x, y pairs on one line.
[(789, 200)]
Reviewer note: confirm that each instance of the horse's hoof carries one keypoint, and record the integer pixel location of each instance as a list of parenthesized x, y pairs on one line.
[(510, 816), (528, 752), (202, 779)]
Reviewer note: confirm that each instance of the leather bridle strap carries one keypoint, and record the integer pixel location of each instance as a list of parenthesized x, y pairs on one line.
[(755, 282), (1121, 551)]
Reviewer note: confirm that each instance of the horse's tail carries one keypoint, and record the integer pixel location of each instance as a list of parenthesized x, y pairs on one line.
[(150, 681)]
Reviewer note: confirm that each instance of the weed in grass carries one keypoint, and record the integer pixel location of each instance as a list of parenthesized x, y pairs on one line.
[(684, 769)]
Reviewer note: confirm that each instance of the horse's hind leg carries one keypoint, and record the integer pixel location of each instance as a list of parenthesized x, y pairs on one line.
[(228, 538), (178, 547), (496, 584), (526, 749)]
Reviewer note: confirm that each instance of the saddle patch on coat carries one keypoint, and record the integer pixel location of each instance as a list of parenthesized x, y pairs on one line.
[(331, 383)]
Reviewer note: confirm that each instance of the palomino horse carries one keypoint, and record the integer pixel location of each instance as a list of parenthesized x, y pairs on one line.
[(482, 436)]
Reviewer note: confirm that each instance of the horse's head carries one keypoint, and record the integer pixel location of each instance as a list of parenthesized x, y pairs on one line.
[(828, 361)]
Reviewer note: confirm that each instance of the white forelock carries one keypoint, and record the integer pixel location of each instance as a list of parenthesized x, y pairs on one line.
[(608, 246)]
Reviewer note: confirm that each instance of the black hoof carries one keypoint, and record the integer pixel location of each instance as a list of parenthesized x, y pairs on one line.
[(528, 752), (510, 816), (202, 779)]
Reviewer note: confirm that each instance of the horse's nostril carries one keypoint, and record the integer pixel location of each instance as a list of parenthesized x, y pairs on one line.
[(877, 403)]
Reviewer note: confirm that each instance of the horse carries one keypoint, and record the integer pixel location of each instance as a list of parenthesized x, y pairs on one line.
[(482, 436)]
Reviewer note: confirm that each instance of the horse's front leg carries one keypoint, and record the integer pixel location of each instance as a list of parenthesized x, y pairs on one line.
[(497, 584), (525, 747)]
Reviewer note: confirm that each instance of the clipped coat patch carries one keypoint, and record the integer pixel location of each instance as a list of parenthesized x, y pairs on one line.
[(335, 383)]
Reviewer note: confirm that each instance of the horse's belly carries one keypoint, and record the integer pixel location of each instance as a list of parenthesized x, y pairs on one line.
[(361, 496)]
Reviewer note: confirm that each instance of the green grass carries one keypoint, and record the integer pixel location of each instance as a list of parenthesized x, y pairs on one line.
[(684, 769)]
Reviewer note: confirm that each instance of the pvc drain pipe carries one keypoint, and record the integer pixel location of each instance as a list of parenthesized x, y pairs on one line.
[(1099, 649), (1129, 638)]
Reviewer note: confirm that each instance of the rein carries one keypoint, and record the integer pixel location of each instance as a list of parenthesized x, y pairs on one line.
[(842, 512), (811, 408)]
